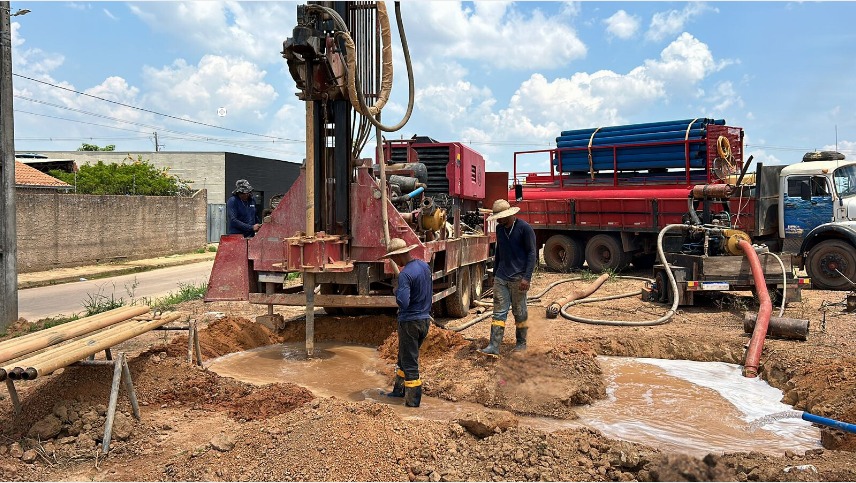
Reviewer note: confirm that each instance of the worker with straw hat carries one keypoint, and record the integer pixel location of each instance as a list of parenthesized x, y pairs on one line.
[(513, 262), (413, 295)]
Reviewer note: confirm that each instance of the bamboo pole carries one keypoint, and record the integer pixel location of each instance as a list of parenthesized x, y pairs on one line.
[(19, 346), (78, 350)]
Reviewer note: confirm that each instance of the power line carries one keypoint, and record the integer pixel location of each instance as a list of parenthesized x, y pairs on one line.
[(181, 135), (148, 110)]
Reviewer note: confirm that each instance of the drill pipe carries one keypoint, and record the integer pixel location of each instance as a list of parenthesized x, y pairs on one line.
[(76, 350), (19, 346), (554, 308)]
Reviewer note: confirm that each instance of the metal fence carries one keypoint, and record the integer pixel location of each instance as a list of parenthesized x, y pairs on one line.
[(216, 221)]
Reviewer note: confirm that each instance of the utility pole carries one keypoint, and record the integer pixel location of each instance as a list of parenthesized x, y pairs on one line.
[(8, 234)]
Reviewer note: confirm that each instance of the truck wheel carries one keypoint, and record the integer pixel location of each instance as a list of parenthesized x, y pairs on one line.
[(476, 281), (458, 304), (664, 288), (604, 252), (563, 253), (828, 258)]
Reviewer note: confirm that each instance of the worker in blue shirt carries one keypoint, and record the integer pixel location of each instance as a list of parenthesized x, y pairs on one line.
[(514, 261), (241, 210), (413, 296)]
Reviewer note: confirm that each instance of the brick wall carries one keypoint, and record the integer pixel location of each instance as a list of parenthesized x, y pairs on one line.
[(66, 230)]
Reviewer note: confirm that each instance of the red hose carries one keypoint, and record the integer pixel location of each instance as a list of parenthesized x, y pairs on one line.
[(756, 344)]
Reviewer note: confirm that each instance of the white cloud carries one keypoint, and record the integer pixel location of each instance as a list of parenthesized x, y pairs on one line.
[(542, 107), (110, 15), (665, 24), (684, 63), (253, 30), (848, 148), (724, 98), (495, 34), (622, 25), (216, 81)]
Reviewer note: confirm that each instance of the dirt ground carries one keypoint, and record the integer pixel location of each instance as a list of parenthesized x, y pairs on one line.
[(196, 425)]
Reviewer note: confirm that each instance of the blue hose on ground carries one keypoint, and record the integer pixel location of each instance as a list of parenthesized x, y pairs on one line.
[(813, 418)]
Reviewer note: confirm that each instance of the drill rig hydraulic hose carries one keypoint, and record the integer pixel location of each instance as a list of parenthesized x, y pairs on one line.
[(354, 88)]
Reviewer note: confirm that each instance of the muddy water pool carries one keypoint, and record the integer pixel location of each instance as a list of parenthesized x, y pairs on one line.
[(683, 406)]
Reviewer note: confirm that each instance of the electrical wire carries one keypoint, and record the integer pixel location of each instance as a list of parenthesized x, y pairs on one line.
[(145, 110)]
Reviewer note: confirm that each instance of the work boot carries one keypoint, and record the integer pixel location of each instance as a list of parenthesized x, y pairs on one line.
[(397, 385), (521, 340), (497, 331), (413, 393)]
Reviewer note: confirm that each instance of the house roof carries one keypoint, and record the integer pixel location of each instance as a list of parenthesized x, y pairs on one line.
[(32, 177)]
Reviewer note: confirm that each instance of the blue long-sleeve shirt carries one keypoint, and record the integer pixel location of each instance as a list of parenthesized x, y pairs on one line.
[(516, 252), (414, 291), (242, 216)]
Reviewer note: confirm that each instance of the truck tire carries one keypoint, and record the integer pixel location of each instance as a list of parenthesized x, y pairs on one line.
[(824, 262), (477, 281), (604, 252), (563, 253), (458, 304)]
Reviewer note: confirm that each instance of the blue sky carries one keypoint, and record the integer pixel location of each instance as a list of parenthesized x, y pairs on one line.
[(498, 76)]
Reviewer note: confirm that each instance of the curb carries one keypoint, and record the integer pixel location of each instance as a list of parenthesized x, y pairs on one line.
[(102, 272)]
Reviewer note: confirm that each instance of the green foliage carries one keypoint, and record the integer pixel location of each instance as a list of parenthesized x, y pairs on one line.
[(212, 248), (186, 291), (99, 302), (136, 178), (95, 147)]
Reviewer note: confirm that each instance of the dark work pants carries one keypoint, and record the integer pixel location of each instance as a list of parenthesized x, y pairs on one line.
[(411, 335)]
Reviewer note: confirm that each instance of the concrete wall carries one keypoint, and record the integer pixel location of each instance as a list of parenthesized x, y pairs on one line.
[(67, 230)]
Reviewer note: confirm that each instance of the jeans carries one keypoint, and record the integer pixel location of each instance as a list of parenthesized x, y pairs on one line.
[(411, 335), (507, 295)]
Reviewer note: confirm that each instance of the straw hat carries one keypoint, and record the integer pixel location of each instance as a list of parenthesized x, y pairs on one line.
[(396, 246), (502, 209)]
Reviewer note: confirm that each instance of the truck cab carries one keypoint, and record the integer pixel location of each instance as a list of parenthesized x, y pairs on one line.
[(817, 218)]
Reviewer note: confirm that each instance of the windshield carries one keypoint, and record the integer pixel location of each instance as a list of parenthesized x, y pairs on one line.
[(845, 180)]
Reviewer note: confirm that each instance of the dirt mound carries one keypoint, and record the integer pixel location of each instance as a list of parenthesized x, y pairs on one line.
[(438, 343), (365, 329), (225, 336), (268, 401)]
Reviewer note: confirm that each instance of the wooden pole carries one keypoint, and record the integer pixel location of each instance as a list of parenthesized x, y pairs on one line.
[(19, 346), (111, 406), (71, 352)]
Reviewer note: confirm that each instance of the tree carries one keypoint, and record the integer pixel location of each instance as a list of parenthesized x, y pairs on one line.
[(95, 147), (138, 177)]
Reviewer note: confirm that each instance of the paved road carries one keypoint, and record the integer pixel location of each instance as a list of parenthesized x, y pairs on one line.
[(69, 298)]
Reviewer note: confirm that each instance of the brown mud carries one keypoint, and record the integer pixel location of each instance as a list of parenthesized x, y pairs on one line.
[(196, 425)]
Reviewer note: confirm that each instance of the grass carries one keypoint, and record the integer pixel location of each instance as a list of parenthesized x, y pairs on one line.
[(186, 291), (99, 302)]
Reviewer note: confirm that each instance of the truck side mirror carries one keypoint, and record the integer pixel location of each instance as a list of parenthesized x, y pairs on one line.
[(518, 192), (805, 190)]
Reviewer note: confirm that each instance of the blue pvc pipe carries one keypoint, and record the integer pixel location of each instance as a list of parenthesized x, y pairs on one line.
[(415, 192), (662, 125), (850, 428)]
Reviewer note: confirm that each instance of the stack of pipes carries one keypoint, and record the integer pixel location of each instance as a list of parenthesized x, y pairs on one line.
[(74, 341)]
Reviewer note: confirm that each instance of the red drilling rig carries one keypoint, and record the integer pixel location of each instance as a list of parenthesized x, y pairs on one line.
[(334, 223)]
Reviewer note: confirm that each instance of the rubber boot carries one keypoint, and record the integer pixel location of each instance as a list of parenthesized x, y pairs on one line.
[(413, 393), (397, 385), (496, 333), (520, 346)]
